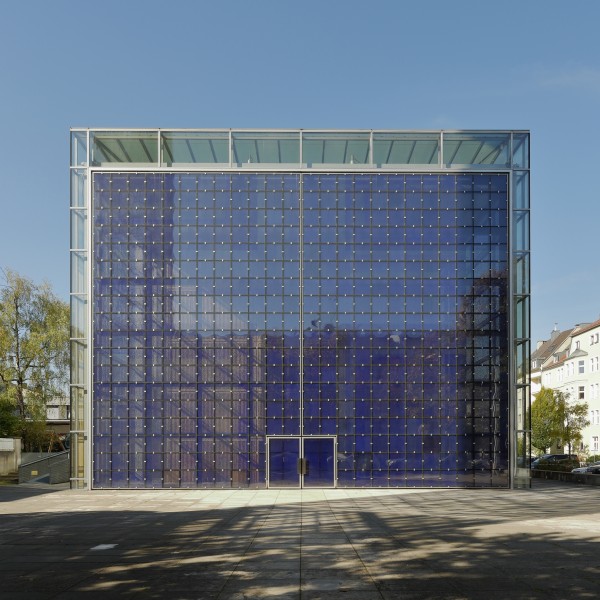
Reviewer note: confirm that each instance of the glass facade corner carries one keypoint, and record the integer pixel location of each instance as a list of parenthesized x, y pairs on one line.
[(288, 326)]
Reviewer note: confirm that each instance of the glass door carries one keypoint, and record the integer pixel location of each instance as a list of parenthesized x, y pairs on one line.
[(284, 462), (319, 462), (295, 462)]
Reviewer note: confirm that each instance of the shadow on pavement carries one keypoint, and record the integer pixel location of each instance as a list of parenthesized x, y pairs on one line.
[(435, 544)]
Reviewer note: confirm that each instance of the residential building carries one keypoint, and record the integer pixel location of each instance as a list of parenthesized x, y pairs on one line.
[(294, 308), (547, 352), (573, 367)]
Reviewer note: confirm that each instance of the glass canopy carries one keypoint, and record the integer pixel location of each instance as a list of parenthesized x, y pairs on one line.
[(300, 148)]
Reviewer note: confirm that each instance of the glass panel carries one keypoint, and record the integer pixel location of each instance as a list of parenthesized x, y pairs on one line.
[(476, 149), (522, 273), (197, 327), (335, 148), (523, 453), (77, 448), (109, 147), (405, 315), (283, 462), (405, 148), (78, 370), (77, 408), (78, 316), (78, 272), (522, 317), (522, 362), (521, 190), (189, 148), (78, 188), (266, 148), (520, 151), (523, 416), (78, 229), (520, 230), (79, 148), (320, 462)]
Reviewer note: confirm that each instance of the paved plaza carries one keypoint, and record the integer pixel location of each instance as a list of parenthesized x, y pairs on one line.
[(541, 543)]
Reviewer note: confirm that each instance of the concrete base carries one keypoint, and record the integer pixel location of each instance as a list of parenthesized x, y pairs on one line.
[(10, 459)]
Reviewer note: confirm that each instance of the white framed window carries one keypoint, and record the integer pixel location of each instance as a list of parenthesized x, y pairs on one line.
[(577, 345), (595, 443), (581, 366)]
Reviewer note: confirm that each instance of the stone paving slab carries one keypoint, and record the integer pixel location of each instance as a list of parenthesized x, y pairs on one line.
[(58, 544)]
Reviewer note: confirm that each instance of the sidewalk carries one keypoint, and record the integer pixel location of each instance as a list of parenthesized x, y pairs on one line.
[(354, 544)]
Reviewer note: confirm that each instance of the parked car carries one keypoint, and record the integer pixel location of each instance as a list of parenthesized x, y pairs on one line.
[(524, 462), (593, 468), (556, 462)]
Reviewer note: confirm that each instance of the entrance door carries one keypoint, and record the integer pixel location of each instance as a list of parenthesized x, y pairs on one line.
[(284, 459), (301, 462)]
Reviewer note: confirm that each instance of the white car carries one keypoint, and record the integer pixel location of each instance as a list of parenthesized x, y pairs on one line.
[(591, 468)]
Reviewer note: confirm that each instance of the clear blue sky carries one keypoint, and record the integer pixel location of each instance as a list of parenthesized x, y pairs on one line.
[(312, 64)]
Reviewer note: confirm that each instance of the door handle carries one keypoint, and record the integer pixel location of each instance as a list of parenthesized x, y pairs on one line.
[(302, 466)]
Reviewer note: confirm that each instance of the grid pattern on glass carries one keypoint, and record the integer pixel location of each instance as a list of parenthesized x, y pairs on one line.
[(196, 289), (405, 326), (197, 326)]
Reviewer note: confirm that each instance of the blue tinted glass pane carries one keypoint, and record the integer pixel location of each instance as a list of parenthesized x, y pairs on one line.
[(283, 462), (319, 456)]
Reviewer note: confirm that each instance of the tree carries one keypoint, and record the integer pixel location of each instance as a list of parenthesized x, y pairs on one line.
[(544, 422), (572, 419), (34, 347), (555, 419)]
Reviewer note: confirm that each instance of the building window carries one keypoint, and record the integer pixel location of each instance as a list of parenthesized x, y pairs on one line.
[(577, 345), (595, 443), (581, 394), (581, 366)]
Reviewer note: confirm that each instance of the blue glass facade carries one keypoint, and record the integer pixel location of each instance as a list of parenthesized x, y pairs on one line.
[(242, 322)]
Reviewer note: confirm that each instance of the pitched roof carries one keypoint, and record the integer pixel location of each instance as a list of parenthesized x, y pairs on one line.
[(549, 347), (585, 327)]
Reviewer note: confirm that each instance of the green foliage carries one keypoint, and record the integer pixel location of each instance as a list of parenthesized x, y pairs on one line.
[(10, 423), (555, 419), (544, 425), (573, 419), (34, 352)]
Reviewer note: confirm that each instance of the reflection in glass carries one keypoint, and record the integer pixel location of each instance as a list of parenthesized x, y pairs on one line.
[(228, 308)]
